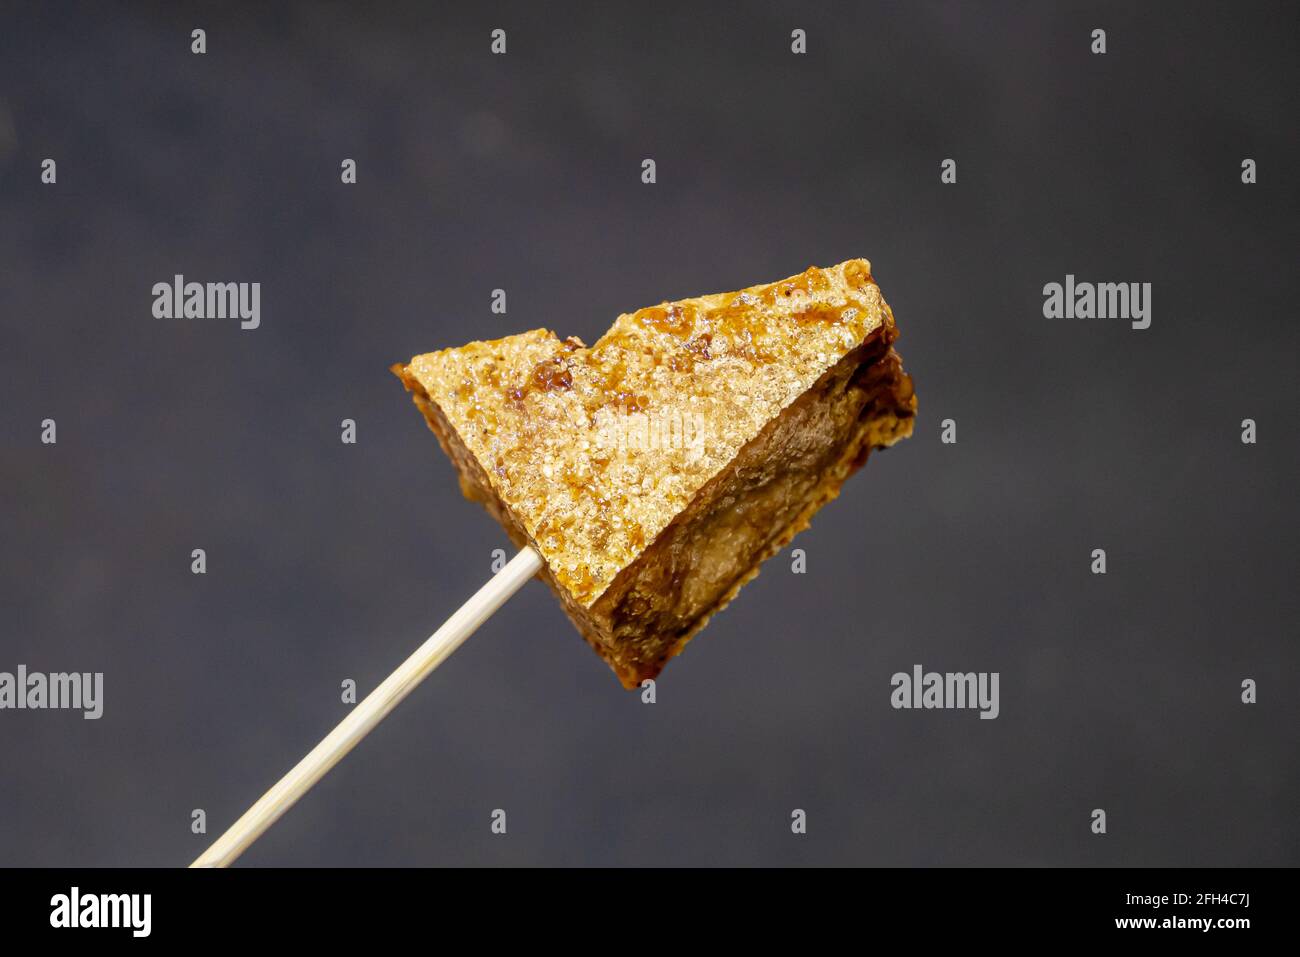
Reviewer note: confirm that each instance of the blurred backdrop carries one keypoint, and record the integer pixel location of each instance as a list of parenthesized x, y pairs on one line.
[(476, 171)]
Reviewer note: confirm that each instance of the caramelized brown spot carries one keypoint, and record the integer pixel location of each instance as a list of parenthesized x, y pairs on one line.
[(699, 345), (823, 313), (677, 319), (628, 402), (856, 274), (809, 281), (552, 375), (549, 375)]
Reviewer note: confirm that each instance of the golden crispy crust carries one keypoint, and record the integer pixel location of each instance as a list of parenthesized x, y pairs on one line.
[(613, 460)]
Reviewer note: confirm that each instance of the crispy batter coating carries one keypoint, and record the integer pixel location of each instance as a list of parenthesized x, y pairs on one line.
[(595, 455)]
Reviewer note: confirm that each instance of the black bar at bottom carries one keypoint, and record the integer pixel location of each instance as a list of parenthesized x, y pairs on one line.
[(334, 907)]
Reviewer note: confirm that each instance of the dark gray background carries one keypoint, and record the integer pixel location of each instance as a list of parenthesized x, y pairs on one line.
[(476, 171)]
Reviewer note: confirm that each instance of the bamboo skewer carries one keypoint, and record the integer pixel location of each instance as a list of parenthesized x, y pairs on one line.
[(372, 709)]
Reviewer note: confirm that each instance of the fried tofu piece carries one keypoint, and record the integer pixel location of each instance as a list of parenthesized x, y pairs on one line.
[(656, 470)]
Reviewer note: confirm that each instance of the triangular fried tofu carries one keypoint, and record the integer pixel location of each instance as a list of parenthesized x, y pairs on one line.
[(656, 470)]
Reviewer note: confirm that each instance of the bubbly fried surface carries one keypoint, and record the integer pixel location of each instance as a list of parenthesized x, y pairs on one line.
[(626, 464)]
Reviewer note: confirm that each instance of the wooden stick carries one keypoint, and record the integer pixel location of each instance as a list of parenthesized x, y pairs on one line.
[(373, 709)]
